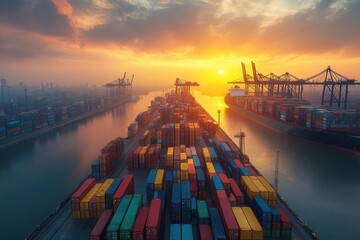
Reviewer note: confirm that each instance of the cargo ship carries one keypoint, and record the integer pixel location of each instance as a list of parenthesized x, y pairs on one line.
[(176, 175), (297, 117)]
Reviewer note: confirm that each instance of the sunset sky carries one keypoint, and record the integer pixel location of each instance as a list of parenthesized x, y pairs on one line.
[(72, 42)]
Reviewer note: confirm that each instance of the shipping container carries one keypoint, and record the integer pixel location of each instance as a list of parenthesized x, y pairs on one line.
[(227, 215), (217, 226), (109, 195), (98, 232), (257, 232), (126, 188), (152, 227), (205, 232), (139, 225), (245, 229), (175, 231), (187, 231), (203, 213), (112, 232), (129, 219)]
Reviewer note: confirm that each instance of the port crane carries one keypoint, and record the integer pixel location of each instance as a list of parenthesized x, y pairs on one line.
[(120, 87), (335, 86), (183, 86)]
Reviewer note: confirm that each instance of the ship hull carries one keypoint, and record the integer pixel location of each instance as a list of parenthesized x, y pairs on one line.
[(336, 139)]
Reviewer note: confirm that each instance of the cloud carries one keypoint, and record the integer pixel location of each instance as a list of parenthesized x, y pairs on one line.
[(38, 16)]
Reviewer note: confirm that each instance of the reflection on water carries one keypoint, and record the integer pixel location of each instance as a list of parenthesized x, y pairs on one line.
[(322, 184), (37, 175)]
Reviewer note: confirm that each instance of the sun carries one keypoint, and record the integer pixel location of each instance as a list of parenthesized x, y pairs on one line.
[(220, 71)]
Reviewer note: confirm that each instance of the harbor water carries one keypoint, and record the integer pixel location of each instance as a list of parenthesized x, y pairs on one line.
[(320, 183)]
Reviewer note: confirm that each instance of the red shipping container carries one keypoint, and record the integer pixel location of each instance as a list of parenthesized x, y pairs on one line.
[(98, 232), (232, 200), (126, 188), (188, 152), (80, 193), (219, 194), (150, 159), (139, 225), (285, 221), (238, 163), (193, 188), (225, 182), (192, 173), (205, 232), (237, 192), (230, 223), (153, 221)]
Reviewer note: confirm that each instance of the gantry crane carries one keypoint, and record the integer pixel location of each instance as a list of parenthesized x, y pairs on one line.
[(120, 87), (183, 87), (289, 86)]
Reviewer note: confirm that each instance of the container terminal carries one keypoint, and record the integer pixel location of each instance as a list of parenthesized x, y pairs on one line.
[(176, 175), (277, 102)]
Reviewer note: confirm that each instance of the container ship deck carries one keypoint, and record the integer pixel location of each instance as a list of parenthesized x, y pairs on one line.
[(174, 149)]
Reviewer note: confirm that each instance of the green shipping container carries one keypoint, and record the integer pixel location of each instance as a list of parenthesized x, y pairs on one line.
[(114, 226), (129, 219), (203, 212)]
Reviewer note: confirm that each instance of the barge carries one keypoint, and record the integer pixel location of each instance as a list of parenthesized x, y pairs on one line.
[(177, 175)]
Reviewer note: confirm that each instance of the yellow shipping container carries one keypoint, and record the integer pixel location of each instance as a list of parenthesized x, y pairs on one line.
[(84, 214), (184, 174), (158, 134), (159, 179), (260, 186), (182, 148), (206, 154), (210, 168), (170, 153), (257, 231), (190, 161), (84, 203), (100, 194), (249, 187), (269, 188), (245, 229), (183, 157), (142, 154)]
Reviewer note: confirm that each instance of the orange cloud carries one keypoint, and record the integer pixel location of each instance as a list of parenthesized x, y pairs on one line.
[(63, 7)]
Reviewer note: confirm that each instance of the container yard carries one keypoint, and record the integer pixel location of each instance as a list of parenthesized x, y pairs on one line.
[(177, 176)]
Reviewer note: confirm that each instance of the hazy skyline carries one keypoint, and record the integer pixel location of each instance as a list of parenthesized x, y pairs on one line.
[(72, 42)]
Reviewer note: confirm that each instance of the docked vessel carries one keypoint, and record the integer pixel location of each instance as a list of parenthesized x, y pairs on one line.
[(176, 174), (297, 117)]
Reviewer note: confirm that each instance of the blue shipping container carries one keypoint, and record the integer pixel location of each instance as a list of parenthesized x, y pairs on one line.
[(217, 183), (217, 226)]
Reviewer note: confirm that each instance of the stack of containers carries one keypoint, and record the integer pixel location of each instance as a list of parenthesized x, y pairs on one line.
[(126, 188), (134, 160), (275, 223), (225, 182), (201, 183), (109, 195), (139, 225), (150, 185), (192, 179), (99, 230), (244, 227), (263, 214), (152, 227), (26, 123), (112, 232), (257, 232), (86, 207), (95, 169), (185, 202), (286, 225), (176, 171), (217, 167), (176, 203), (227, 215), (169, 178), (203, 213), (217, 190), (177, 134), (145, 138), (206, 154), (271, 191), (79, 194), (239, 196), (129, 219), (170, 158), (13, 127), (159, 180), (100, 196), (150, 158), (217, 227), (196, 161), (184, 174), (142, 157)]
